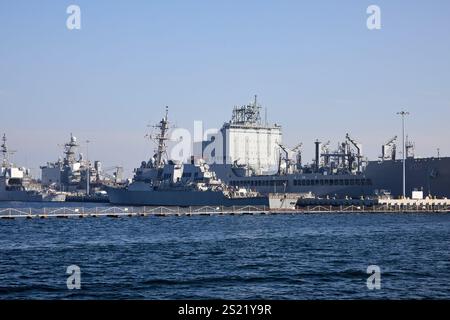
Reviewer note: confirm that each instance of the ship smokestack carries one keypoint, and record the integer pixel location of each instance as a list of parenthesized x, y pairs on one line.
[(317, 159)]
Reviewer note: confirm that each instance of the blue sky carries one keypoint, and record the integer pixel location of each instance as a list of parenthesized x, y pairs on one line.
[(315, 66)]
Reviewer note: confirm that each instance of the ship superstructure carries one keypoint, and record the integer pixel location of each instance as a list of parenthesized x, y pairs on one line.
[(75, 173), (245, 140)]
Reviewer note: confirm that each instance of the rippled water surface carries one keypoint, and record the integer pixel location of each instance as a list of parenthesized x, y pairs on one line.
[(227, 257)]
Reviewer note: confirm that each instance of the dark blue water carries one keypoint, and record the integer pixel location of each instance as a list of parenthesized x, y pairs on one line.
[(228, 257)]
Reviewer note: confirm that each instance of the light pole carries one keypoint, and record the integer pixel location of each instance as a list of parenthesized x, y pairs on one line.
[(87, 168), (403, 114)]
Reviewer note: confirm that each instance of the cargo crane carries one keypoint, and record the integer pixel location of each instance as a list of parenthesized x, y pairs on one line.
[(342, 159), (298, 156), (291, 167), (389, 150), (285, 159), (358, 154), (409, 148)]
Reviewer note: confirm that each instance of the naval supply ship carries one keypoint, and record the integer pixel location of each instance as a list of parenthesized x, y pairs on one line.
[(16, 183), (249, 149), (431, 175), (162, 182)]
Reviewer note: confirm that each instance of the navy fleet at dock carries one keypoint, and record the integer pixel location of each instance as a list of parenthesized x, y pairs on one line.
[(243, 163), (165, 182)]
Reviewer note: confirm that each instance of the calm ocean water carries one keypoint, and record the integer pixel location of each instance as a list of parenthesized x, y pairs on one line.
[(323, 256)]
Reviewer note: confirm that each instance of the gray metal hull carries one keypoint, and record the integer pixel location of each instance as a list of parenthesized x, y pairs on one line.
[(123, 196), (432, 175), (27, 196), (20, 196)]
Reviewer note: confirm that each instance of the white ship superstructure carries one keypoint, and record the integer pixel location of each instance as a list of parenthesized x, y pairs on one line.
[(72, 173), (245, 140), (16, 183)]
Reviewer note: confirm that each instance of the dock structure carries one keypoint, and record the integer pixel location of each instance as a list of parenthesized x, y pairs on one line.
[(117, 212), (415, 203), (391, 206)]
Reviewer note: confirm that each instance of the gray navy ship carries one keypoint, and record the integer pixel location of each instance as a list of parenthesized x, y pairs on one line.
[(163, 182), (248, 148), (16, 183)]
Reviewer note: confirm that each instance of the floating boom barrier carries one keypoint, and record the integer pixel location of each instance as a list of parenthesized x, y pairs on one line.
[(118, 212)]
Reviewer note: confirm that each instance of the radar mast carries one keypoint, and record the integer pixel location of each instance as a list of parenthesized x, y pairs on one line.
[(161, 140), (5, 160), (5, 152), (70, 149)]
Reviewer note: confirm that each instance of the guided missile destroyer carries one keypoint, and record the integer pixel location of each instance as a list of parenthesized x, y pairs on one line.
[(161, 182)]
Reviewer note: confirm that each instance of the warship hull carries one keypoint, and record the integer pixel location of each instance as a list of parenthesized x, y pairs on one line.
[(432, 175), (26, 196), (123, 196)]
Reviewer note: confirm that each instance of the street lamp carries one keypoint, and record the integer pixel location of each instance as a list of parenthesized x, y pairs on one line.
[(88, 178), (403, 114)]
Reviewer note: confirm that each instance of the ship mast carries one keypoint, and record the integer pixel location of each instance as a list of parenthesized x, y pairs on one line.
[(4, 152), (161, 139), (70, 149)]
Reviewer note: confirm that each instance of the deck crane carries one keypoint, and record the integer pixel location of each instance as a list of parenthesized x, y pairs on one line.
[(388, 150)]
